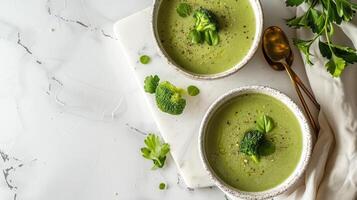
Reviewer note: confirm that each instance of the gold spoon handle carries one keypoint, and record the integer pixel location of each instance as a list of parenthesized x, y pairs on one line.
[(301, 97), (304, 88)]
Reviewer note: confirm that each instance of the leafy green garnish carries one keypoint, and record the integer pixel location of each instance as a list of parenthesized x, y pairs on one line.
[(347, 53), (250, 144), (193, 90), (162, 186), (336, 65), (265, 124), (144, 59), (321, 17), (184, 9), (151, 83), (266, 148), (254, 143), (206, 26), (294, 2), (155, 150)]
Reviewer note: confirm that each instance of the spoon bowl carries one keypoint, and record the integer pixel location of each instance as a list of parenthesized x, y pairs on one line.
[(276, 44), (276, 65)]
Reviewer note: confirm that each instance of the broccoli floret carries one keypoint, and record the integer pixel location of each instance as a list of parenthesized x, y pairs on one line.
[(206, 24), (250, 144), (205, 20), (169, 99), (151, 83)]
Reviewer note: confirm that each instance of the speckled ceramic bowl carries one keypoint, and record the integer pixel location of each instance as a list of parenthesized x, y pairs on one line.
[(306, 147), (257, 37)]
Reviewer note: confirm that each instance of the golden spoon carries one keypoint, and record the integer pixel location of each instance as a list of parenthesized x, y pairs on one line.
[(276, 46), (279, 67)]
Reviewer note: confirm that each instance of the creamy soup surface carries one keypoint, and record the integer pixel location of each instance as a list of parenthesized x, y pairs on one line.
[(236, 32)]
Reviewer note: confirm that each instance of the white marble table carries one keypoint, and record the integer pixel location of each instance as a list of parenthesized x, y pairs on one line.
[(72, 120)]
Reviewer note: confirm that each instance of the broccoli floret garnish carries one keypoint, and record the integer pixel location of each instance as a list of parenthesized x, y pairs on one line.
[(169, 99), (151, 83), (250, 144), (206, 24), (205, 20)]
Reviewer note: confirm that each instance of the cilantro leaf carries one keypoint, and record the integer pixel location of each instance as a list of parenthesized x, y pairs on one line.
[(330, 6), (184, 9), (335, 65), (155, 150), (320, 17), (316, 20), (345, 9), (298, 22), (294, 2), (347, 53), (265, 124), (325, 50), (304, 47)]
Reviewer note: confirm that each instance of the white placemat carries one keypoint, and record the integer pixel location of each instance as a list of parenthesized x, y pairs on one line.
[(181, 132)]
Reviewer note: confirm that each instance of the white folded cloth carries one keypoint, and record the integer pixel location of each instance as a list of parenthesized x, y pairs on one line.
[(332, 172)]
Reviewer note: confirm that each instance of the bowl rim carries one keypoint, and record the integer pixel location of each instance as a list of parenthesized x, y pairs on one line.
[(305, 154), (259, 16)]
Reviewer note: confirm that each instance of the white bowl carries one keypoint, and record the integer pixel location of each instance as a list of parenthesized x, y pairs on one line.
[(306, 147), (257, 9)]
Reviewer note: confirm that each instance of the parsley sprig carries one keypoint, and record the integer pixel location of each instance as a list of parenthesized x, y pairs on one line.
[(321, 17), (155, 150)]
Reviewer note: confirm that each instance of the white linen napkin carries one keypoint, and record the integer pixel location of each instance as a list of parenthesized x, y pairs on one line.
[(332, 172)]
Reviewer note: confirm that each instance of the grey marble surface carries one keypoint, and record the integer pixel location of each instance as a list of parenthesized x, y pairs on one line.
[(72, 120)]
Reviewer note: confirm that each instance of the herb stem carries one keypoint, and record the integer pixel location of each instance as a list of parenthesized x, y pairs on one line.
[(325, 29)]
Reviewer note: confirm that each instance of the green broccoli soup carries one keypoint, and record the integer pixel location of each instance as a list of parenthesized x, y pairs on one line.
[(235, 25), (279, 153)]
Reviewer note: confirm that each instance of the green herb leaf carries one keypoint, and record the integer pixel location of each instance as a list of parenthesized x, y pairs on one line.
[(266, 148), (330, 6), (297, 22), (250, 144), (320, 17), (294, 2), (162, 186), (345, 9), (151, 83), (144, 59), (195, 37), (336, 65), (184, 9), (304, 46), (193, 90), (265, 124), (155, 150), (347, 53), (316, 20)]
